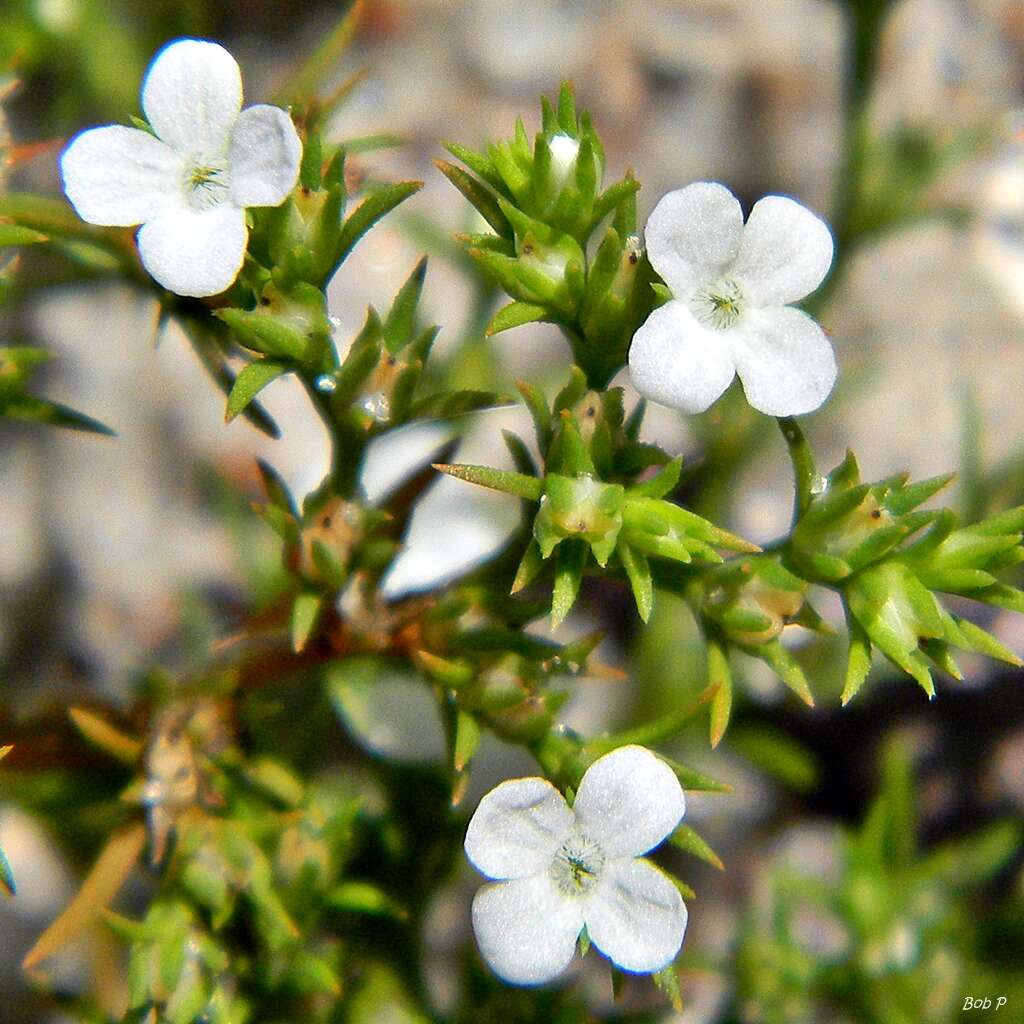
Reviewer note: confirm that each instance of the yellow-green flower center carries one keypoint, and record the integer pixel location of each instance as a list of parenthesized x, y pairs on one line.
[(206, 183), (718, 305), (577, 865)]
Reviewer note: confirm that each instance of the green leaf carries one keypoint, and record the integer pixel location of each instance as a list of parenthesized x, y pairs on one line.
[(400, 323), (15, 234), (667, 983), (367, 214), (478, 195), (777, 754), (903, 499), (521, 457), (638, 571), (365, 898), (467, 739), (373, 143), (784, 665), (858, 663), (38, 410), (688, 840), (515, 314), (252, 379), (264, 333), (570, 560), (208, 347), (445, 404), (101, 734), (661, 483), (305, 613), (7, 876), (517, 484), (690, 778), (719, 676)]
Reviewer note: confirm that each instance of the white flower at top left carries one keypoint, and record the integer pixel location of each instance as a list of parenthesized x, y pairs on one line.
[(189, 183)]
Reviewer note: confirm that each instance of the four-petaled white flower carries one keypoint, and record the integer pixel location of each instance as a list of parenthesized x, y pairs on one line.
[(188, 184), (731, 284), (562, 868)]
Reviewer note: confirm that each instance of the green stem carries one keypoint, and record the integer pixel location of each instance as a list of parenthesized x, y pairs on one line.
[(347, 448), (805, 475)]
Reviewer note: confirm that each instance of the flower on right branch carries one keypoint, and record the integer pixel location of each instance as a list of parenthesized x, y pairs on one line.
[(731, 285)]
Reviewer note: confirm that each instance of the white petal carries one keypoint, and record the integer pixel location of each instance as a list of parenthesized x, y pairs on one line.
[(517, 828), (629, 801), (526, 929), (693, 235), (265, 154), (678, 362), (636, 916), (195, 252), (192, 95), (119, 176), (784, 254), (785, 361)]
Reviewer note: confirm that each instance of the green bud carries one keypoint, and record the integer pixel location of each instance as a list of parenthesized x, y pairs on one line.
[(579, 507), (754, 600)]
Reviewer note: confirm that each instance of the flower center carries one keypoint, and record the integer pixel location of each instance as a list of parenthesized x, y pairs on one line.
[(718, 305), (206, 183), (577, 865)]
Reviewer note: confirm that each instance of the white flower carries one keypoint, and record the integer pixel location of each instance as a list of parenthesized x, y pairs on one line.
[(731, 284), (190, 182), (563, 868)]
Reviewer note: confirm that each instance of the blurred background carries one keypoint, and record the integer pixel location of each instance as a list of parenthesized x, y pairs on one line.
[(118, 553)]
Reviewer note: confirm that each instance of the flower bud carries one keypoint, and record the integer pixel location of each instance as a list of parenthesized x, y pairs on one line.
[(579, 507), (752, 604)]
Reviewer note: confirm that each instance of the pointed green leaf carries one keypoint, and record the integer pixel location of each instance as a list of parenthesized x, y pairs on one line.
[(667, 983), (639, 573), (251, 380), (515, 314), (689, 841), (517, 484), (368, 213), (570, 560), (305, 613)]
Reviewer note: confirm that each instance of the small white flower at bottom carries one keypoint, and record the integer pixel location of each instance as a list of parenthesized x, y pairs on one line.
[(731, 286), (189, 183), (559, 869)]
